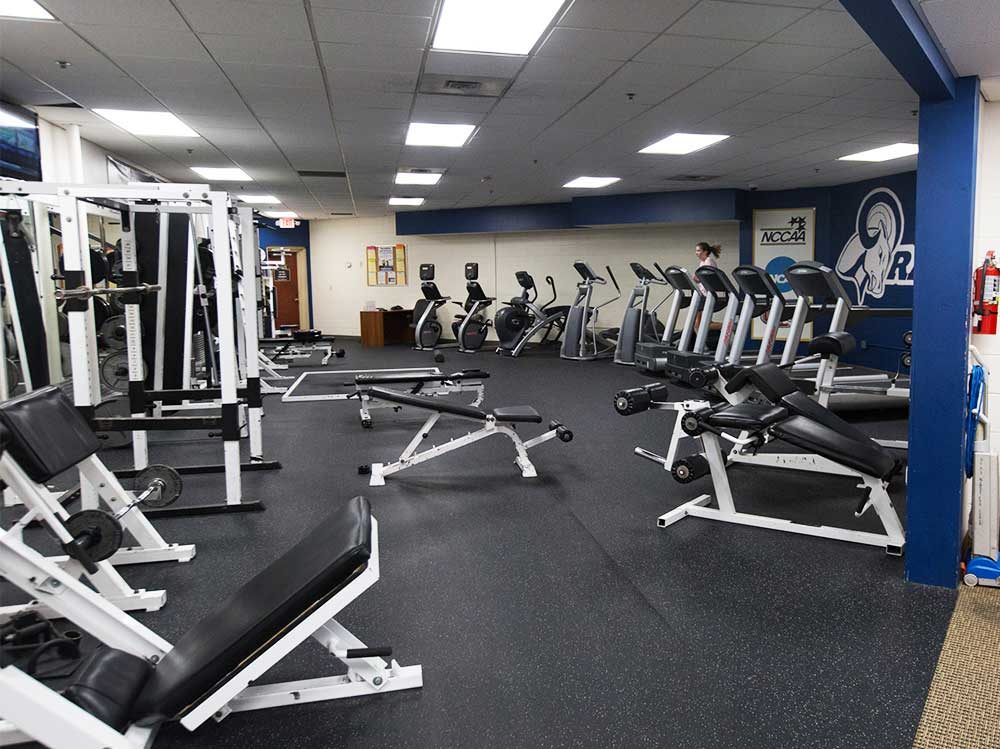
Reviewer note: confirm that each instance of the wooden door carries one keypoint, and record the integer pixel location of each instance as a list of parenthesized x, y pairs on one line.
[(286, 289)]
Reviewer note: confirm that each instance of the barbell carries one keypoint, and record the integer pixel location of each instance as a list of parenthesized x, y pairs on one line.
[(86, 292)]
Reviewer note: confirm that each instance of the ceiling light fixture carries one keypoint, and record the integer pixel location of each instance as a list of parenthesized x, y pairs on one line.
[(679, 144), (10, 119), (222, 173), (886, 153), (147, 123), (592, 183), (418, 178), (259, 199), (508, 27), (279, 214), (23, 9), (431, 134), (406, 201)]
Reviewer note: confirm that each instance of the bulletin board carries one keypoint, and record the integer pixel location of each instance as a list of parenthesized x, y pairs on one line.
[(386, 264)]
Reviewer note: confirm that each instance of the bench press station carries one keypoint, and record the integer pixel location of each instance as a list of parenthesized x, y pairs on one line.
[(498, 421), (426, 381), (139, 680), (832, 447)]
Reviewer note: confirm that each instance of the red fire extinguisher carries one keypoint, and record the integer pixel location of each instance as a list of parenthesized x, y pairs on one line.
[(986, 293)]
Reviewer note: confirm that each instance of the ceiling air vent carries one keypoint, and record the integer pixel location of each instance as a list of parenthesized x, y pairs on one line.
[(432, 83), (311, 173), (691, 178)]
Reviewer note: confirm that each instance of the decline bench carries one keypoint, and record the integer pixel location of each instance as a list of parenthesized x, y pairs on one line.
[(499, 421)]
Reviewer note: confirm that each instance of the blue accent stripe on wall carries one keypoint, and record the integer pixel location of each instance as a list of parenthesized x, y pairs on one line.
[(658, 207), (900, 34), (489, 219), (946, 195)]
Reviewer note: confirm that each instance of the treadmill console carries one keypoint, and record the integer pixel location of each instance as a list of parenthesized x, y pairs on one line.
[(816, 280)]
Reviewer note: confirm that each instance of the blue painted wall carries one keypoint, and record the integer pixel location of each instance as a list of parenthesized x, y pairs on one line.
[(271, 236)]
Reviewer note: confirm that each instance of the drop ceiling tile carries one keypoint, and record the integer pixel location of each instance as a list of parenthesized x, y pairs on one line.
[(232, 48), (354, 27), (235, 127), (144, 42), (520, 124), (533, 106), (823, 85), (150, 14), (197, 100), (152, 70), (889, 91), (863, 63), (611, 45), (825, 28), (791, 58), (726, 20), (578, 69), (447, 103), (276, 101), (650, 83), (559, 90), (289, 76), (442, 62), (847, 106), (247, 18), (687, 50), (625, 15), (21, 88), (783, 102), (305, 157), (749, 81), (365, 115), (344, 101), (372, 80), (371, 57)]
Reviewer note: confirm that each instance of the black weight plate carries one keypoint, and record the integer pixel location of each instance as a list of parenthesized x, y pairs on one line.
[(102, 311), (117, 304), (66, 357), (112, 332), (169, 492), (63, 326), (110, 408), (104, 530), (114, 373)]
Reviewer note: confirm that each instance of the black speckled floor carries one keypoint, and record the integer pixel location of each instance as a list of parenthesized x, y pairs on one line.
[(553, 612)]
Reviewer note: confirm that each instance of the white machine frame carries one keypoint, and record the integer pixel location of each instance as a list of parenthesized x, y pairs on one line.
[(32, 711)]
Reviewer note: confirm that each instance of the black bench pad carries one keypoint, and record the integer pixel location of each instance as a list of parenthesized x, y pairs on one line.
[(750, 416), (46, 434), (260, 612), (524, 414), (866, 456), (406, 379), (839, 343), (428, 404)]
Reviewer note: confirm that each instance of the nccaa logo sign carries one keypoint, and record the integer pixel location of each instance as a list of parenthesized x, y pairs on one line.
[(874, 257), (776, 269)]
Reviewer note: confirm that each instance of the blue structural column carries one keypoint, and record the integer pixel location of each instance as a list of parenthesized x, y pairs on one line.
[(946, 193)]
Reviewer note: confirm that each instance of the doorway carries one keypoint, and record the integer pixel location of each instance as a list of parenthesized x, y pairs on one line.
[(291, 301)]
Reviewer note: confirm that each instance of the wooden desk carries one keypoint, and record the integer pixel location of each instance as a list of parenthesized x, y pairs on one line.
[(384, 327)]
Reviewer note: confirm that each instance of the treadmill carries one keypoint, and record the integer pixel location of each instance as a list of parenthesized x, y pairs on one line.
[(651, 356), (698, 367)]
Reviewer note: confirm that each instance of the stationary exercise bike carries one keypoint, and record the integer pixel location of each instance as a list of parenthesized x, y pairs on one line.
[(583, 340), (470, 328), (522, 319), (426, 327)]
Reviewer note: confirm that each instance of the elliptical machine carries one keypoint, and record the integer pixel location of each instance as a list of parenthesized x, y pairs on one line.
[(639, 323), (583, 341), (522, 319), (470, 328), (426, 327)]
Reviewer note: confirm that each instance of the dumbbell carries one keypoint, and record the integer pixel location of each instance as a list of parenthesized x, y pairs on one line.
[(686, 470), (699, 378), (340, 353), (635, 400), (97, 534), (562, 432), (908, 338)]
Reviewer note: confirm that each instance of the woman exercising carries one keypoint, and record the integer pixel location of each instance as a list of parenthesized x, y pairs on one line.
[(707, 254)]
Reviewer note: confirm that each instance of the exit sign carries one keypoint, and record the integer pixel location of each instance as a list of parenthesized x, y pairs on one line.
[(286, 223)]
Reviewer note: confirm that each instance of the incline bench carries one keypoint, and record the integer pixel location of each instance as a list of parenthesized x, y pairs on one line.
[(140, 680), (497, 421)]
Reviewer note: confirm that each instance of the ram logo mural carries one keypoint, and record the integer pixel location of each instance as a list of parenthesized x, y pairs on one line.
[(875, 257)]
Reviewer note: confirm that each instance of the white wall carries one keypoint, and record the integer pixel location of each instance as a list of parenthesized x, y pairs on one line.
[(340, 292), (54, 144)]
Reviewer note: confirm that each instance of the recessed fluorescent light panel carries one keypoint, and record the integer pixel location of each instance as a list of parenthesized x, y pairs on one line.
[(886, 153), (508, 27), (406, 201), (430, 134), (23, 9), (147, 123), (259, 199), (682, 143), (222, 173), (9, 119), (280, 214), (592, 183), (417, 178)]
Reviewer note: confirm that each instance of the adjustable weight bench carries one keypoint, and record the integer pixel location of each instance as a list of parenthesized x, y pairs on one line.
[(140, 680), (498, 421), (427, 381)]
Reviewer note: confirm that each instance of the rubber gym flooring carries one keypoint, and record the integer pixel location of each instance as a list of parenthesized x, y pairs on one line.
[(553, 612)]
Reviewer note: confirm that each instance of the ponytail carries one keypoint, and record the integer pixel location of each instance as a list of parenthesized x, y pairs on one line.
[(711, 249)]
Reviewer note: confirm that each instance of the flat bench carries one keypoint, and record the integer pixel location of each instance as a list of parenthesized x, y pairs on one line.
[(525, 414)]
